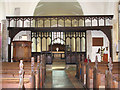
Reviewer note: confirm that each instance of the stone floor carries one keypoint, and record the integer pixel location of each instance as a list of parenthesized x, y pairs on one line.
[(60, 79), (60, 75)]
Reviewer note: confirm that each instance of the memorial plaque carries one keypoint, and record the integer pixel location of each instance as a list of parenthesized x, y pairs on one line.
[(97, 41)]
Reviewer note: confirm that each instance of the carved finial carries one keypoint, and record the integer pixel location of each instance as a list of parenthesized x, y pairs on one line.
[(41, 58), (32, 64), (38, 59), (21, 75), (110, 65), (21, 64), (83, 57), (96, 62)]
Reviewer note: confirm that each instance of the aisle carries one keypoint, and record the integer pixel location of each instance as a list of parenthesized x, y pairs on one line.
[(60, 75), (60, 79), (58, 64)]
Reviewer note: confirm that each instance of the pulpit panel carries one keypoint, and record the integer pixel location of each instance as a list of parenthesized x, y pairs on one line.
[(21, 50)]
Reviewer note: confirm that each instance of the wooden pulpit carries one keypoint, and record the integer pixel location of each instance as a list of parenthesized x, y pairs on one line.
[(21, 50)]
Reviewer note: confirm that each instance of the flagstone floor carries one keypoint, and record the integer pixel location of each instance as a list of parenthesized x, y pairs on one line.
[(60, 75)]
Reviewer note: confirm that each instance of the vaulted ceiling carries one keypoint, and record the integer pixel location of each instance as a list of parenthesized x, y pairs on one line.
[(58, 8)]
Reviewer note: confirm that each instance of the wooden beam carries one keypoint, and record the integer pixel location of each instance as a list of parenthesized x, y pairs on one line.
[(59, 29)]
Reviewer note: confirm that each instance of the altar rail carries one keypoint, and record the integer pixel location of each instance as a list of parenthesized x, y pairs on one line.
[(59, 21)]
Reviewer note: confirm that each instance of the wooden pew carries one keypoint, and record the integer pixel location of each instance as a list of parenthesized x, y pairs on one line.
[(10, 74), (102, 67)]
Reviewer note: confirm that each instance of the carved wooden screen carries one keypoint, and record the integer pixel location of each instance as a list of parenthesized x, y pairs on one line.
[(72, 42)]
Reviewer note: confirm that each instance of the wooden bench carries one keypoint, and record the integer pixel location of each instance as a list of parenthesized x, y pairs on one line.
[(86, 74), (10, 74)]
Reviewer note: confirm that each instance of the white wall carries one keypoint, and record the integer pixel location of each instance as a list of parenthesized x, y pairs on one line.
[(95, 48)]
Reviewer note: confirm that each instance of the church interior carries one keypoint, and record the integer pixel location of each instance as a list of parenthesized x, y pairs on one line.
[(52, 44)]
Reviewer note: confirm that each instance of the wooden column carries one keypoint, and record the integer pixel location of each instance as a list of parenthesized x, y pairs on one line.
[(43, 22), (51, 45), (9, 52), (41, 72), (84, 22), (38, 71), (43, 67), (64, 21), (82, 69), (76, 56), (91, 21), (41, 42), (50, 22), (36, 41), (57, 21), (32, 74), (65, 48), (87, 75), (70, 47), (45, 64), (79, 70), (80, 42), (78, 22), (71, 22), (23, 22), (46, 43), (41, 83)]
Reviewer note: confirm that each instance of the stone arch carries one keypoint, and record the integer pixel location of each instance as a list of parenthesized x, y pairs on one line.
[(62, 8)]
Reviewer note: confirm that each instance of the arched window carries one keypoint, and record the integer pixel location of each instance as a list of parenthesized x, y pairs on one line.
[(57, 37)]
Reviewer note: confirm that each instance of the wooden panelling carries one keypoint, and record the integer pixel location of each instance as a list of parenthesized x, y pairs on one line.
[(22, 50)]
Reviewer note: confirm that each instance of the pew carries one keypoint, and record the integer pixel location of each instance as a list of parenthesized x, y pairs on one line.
[(93, 77), (34, 74)]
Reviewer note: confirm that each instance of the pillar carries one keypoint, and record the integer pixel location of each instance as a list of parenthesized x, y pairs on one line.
[(4, 41), (115, 31), (89, 43)]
